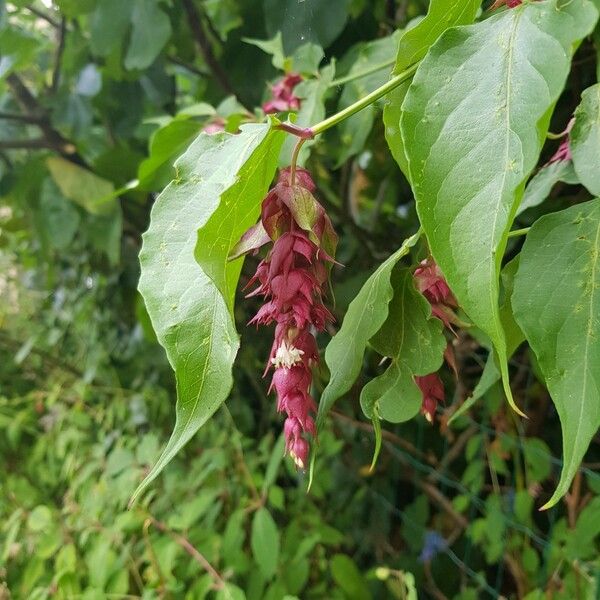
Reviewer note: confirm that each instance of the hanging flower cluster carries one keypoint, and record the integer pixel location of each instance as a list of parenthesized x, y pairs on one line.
[(292, 279), (431, 283), (283, 98), (432, 390)]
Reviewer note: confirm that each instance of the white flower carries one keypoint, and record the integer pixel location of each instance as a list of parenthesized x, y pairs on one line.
[(287, 356)]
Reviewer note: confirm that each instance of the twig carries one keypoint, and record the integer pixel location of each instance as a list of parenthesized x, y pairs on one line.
[(48, 358), (32, 144), (432, 587), (152, 554), (454, 452), (518, 575), (19, 117), (31, 106), (45, 16), (572, 500), (59, 52), (443, 502), (388, 435), (186, 66), (191, 550), (203, 42)]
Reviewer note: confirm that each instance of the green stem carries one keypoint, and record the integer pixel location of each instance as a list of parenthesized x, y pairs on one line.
[(381, 91), (360, 74), (518, 232)]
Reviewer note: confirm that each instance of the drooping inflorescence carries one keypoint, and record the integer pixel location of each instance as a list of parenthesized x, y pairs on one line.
[(291, 279), (431, 283)]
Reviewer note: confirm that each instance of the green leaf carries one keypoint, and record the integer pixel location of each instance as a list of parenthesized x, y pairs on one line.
[(166, 144), (58, 218), (365, 316), (412, 47), (151, 29), (265, 542), (39, 518), (541, 184), (108, 25), (17, 49), (93, 193), (317, 21), (192, 319), (274, 47), (557, 304), (585, 139), (307, 58), (514, 338), (238, 210), (355, 130), (349, 579), (473, 122), (224, 15), (415, 342), (394, 396)]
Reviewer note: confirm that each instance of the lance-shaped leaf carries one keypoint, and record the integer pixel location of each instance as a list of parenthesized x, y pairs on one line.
[(557, 304), (473, 124), (413, 339), (413, 46), (365, 316), (191, 314), (585, 139)]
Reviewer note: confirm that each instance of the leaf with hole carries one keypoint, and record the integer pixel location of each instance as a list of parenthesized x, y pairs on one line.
[(413, 339)]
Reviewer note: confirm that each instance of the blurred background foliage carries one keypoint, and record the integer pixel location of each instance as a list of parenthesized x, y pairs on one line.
[(97, 99)]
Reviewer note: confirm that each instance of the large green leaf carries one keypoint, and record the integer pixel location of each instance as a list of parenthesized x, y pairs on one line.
[(192, 319), (473, 123), (365, 316), (585, 139), (151, 29), (413, 339), (413, 46), (557, 304)]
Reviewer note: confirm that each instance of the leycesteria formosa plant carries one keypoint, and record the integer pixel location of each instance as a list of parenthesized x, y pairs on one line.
[(466, 111)]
